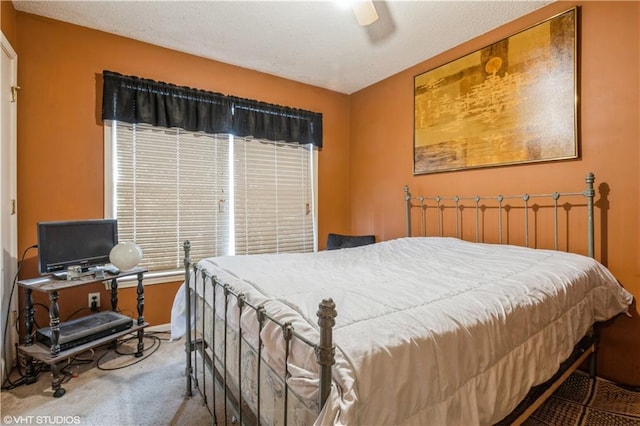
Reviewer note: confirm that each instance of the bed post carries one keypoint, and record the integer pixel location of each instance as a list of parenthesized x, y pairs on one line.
[(325, 352), (590, 193), (187, 291), (407, 208)]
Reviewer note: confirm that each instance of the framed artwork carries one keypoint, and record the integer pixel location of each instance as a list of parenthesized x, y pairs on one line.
[(512, 102)]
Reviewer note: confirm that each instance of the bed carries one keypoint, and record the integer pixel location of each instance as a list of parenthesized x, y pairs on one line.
[(414, 330)]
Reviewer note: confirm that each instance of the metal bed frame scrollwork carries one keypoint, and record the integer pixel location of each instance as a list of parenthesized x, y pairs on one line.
[(324, 348), (423, 204)]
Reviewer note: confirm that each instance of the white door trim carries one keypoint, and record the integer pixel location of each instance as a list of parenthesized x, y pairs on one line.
[(8, 215)]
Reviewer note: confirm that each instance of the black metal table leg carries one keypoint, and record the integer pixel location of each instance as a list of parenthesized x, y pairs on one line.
[(54, 323), (53, 355), (28, 336), (28, 315), (140, 291), (114, 295), (56, 381)]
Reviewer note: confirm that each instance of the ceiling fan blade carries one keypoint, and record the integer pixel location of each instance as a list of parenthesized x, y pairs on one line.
[(365, 12)]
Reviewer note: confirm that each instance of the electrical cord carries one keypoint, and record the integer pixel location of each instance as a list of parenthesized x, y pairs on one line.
[(6, 322), (155, 345), (38, 366), (73, 314), (154, 333), (33, 336), (86, 360), (35, 321), (74, 361), (77, 361)]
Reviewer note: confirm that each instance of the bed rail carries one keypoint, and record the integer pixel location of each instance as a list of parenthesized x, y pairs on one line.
[(232, 393), (458, 203)]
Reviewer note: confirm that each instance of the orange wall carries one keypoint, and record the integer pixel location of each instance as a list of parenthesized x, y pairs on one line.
[(367, 156), (60, 134), (8, 21), (381, 146)]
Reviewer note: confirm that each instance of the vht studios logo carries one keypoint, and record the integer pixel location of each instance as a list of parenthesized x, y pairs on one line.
[(41, 420)]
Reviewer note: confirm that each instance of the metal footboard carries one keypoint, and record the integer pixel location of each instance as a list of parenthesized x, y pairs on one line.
[(221, 368)]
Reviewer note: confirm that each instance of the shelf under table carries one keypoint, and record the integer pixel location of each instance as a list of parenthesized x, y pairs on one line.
[(42, 353)]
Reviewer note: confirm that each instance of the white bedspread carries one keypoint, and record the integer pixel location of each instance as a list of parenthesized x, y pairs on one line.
[(431, 331)]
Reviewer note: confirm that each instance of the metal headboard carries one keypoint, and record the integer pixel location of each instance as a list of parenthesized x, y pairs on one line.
[(422, 202)]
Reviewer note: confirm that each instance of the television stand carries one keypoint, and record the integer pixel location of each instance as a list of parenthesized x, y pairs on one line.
[(62, 275), (51, 353)]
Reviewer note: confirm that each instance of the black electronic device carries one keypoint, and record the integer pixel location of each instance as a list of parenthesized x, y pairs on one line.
[(81, 243), (86, 329)]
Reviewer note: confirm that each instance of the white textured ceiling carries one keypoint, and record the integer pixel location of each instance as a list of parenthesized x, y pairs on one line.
[(313, 42)]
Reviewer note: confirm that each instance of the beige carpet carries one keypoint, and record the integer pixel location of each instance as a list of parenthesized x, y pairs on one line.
[(149, 392)]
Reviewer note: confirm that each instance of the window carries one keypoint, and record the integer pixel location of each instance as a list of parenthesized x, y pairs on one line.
[(226, 195), (273, 199)]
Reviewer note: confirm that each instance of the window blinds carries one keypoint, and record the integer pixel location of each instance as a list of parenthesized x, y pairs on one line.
[(225, 195), (273, 194), (170, 186)]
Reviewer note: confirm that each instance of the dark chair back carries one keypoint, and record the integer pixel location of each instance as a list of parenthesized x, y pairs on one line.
[(337, 241)]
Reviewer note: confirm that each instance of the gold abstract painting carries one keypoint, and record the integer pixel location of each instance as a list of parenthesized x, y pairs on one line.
[(511, 102)]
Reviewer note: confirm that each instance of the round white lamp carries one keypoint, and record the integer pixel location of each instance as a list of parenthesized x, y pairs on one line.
[(125, 255)]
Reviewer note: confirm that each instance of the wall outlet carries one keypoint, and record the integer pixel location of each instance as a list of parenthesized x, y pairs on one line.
[(94, 297)]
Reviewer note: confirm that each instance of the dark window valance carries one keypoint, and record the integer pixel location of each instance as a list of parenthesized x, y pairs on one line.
[(276, 123), (136, 100)]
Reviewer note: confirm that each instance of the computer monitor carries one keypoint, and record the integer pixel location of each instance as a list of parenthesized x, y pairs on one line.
[(83, 243)]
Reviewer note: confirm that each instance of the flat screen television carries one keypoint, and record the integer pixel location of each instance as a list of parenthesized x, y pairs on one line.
[(83, 243)]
